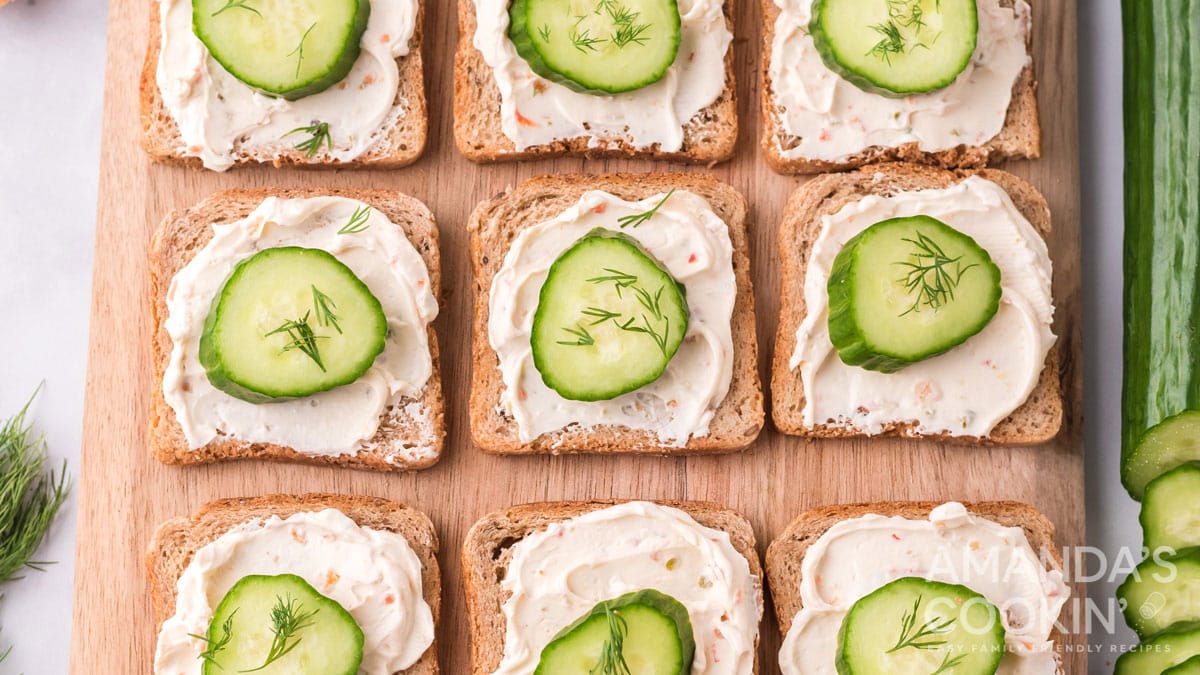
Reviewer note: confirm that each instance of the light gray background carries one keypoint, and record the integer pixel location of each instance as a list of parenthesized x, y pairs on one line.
[(51, 87)]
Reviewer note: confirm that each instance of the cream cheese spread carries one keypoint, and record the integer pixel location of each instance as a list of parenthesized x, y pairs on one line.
[(220, 118), (857, 556), (693, 243), (558, 574), (968, 390), (831, 119), (535, 111), (373, 574), (334, 422)]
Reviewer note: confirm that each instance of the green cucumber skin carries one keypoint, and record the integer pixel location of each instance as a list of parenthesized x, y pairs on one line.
[(853, 346), (336, 73), (210, 351), (1161, 651), (1165, 496), (824, 47), (659, 601), (1162, 218), (527, 48), (1130, 592), (1189, 667)]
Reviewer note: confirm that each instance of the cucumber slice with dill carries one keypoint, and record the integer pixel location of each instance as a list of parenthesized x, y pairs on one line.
[(896, 47), (597, 46), (609, 319), (907, 289), (290, 322), (280, 624), (285, 48)]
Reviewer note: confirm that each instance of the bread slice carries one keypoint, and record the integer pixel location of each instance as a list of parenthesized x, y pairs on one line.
[(785, 555), (493, 227), (412, 423), (400, 146), (178, 539), (488, 550), (1037, 420), (1020, 137), (708, 137)]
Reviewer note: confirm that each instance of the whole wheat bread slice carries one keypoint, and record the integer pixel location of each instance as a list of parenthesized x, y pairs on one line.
[(177, 540), (488, 547), (785, 555), (709, 136), (1020, 137), (1037, 420), (181, 236), (493, 227), (400, 146)]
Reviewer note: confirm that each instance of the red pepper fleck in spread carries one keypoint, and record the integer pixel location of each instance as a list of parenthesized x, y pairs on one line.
[(895, 536), (523, 120), (692, 258), (389, 599), (331, 578), (600, 208), (539, 87), (386, 38), (825, 136)]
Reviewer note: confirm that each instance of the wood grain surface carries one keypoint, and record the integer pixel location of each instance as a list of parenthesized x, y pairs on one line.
[(125, 493)]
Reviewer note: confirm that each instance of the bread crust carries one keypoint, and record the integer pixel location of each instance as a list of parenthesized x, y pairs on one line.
[(488, 548), (709, 137), (401, 146), (1038, 420), (177, 540), (1019, 138), (785, 554), (183, 233), (495, 224)]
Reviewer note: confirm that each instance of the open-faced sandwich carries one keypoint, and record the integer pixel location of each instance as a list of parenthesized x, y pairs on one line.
[(641, 78), (917, 302), (601, 587), (850, 82), (918, 588), (283, 585), (296, 325), (614, 314), (320, 83)]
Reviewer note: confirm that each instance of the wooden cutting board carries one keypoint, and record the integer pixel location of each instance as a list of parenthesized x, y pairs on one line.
[(125, 493)]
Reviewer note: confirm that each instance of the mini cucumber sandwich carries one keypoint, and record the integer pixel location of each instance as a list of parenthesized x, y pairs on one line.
[(614, 314), (296, 325), (655, 589), (315, 82), (917, 302), (917, 588), (949, 82), (312, 585), (643, 78)]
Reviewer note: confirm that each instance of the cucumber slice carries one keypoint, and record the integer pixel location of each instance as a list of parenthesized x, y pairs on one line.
[(1160, 593), (906, 289), (1170, 512), (285, 624), (609, 319), (917, 626), (1189, 667), (596, 46), (647, 631), (285, 48), (895, 47), (1170, 443), (290, 322), (1161, 651)]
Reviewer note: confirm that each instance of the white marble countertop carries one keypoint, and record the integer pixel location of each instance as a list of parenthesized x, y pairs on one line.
[(50, 101)]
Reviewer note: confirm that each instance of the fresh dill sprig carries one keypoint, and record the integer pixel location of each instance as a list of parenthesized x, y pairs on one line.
[(652, 303), (949, 662), (324, 306), (319, 135), (302, 338), (584, 41), (612, 653), (286, 621), (544, 32), (600, 315), (636, 219), (919, 637), (300, 48), (903, 16), (357, 222), (237, 4), (621, 279), (29, 496), (932, 275), (628, 32), (215, 646), (582, 337)]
